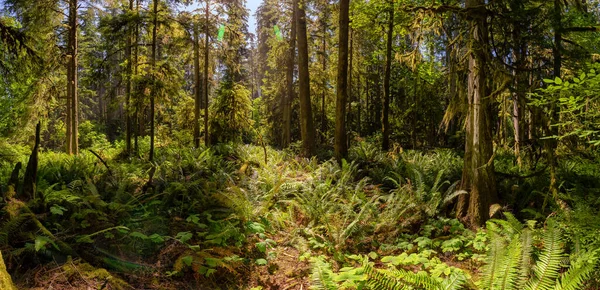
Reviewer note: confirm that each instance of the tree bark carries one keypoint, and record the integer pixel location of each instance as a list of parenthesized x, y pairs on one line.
[(129, 84), (31, 171), (385, 143), (287, 99), (197, 87), (154, 72), (324, 84), (307, 127), (478, 172), (136, 115), (206, 79), (341, 143), (551, 144), (5, 279), (72, 122)]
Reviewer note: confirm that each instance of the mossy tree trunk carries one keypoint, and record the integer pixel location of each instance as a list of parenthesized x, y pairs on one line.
[(307, 127), (5, 279), (478, 173)]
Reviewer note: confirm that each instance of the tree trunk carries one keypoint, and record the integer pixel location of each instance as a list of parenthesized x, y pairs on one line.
[(5, 279), (129, 84), (154, 71), (341, 143), (31, 171), (385, 143), (287, 99), (137, 102), (307, 127), (197, 87), (324, 84), (72, 125), (551, 143), (478, 172), (206, 79)]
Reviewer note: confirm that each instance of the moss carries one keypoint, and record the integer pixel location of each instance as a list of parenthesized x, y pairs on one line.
[(89, 272), (5, 279)]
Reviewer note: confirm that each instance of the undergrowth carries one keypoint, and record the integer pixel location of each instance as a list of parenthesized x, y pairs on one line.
[(381, 220)]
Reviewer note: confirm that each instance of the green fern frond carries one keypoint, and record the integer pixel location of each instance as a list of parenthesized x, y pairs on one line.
[(578, 273), (322, 275), (547, 268), (495, 257), (525, 263), (454, 282), (509, 269), (398, 279)]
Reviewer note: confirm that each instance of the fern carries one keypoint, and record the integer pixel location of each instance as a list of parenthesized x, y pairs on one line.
[(578, 273), (322, 275), (509, 261), (546, 270)]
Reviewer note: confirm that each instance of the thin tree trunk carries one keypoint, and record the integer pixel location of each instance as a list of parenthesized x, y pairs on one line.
[(551, 144), (385, 143), (350, 94), (72, 108), (324, 84), (289, 96), (154, 68), (197, 86), (341, 143), (137, 102), (206, 76), (307, 127), (74, 80), (129, 84)]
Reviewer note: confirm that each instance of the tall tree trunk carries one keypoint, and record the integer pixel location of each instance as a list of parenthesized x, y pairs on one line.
[(307, 127), (324, 84), (206, 76), (551, 144), (72, 106), (341, 143), (478, 172), (385, 143), (154, 71), (359, 100), (289, 75), (197, 87), (519, 96), (136, 52), (129, 84), (350, 94)]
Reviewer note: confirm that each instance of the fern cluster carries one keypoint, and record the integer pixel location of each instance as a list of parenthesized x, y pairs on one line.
[(512, 262)]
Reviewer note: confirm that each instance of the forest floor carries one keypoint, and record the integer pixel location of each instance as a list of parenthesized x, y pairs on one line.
[(223, 218)]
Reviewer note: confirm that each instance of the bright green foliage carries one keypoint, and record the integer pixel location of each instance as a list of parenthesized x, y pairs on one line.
[(576, 101), (511, 265)]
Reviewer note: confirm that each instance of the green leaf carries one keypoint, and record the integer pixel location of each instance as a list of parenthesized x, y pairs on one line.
[(138, 235), (373, 255), (156, 238), (187, 260), (261, 262), (184, 236), (557, 81), (40, 243), (57, 209), (262, 247), (548, 81)]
